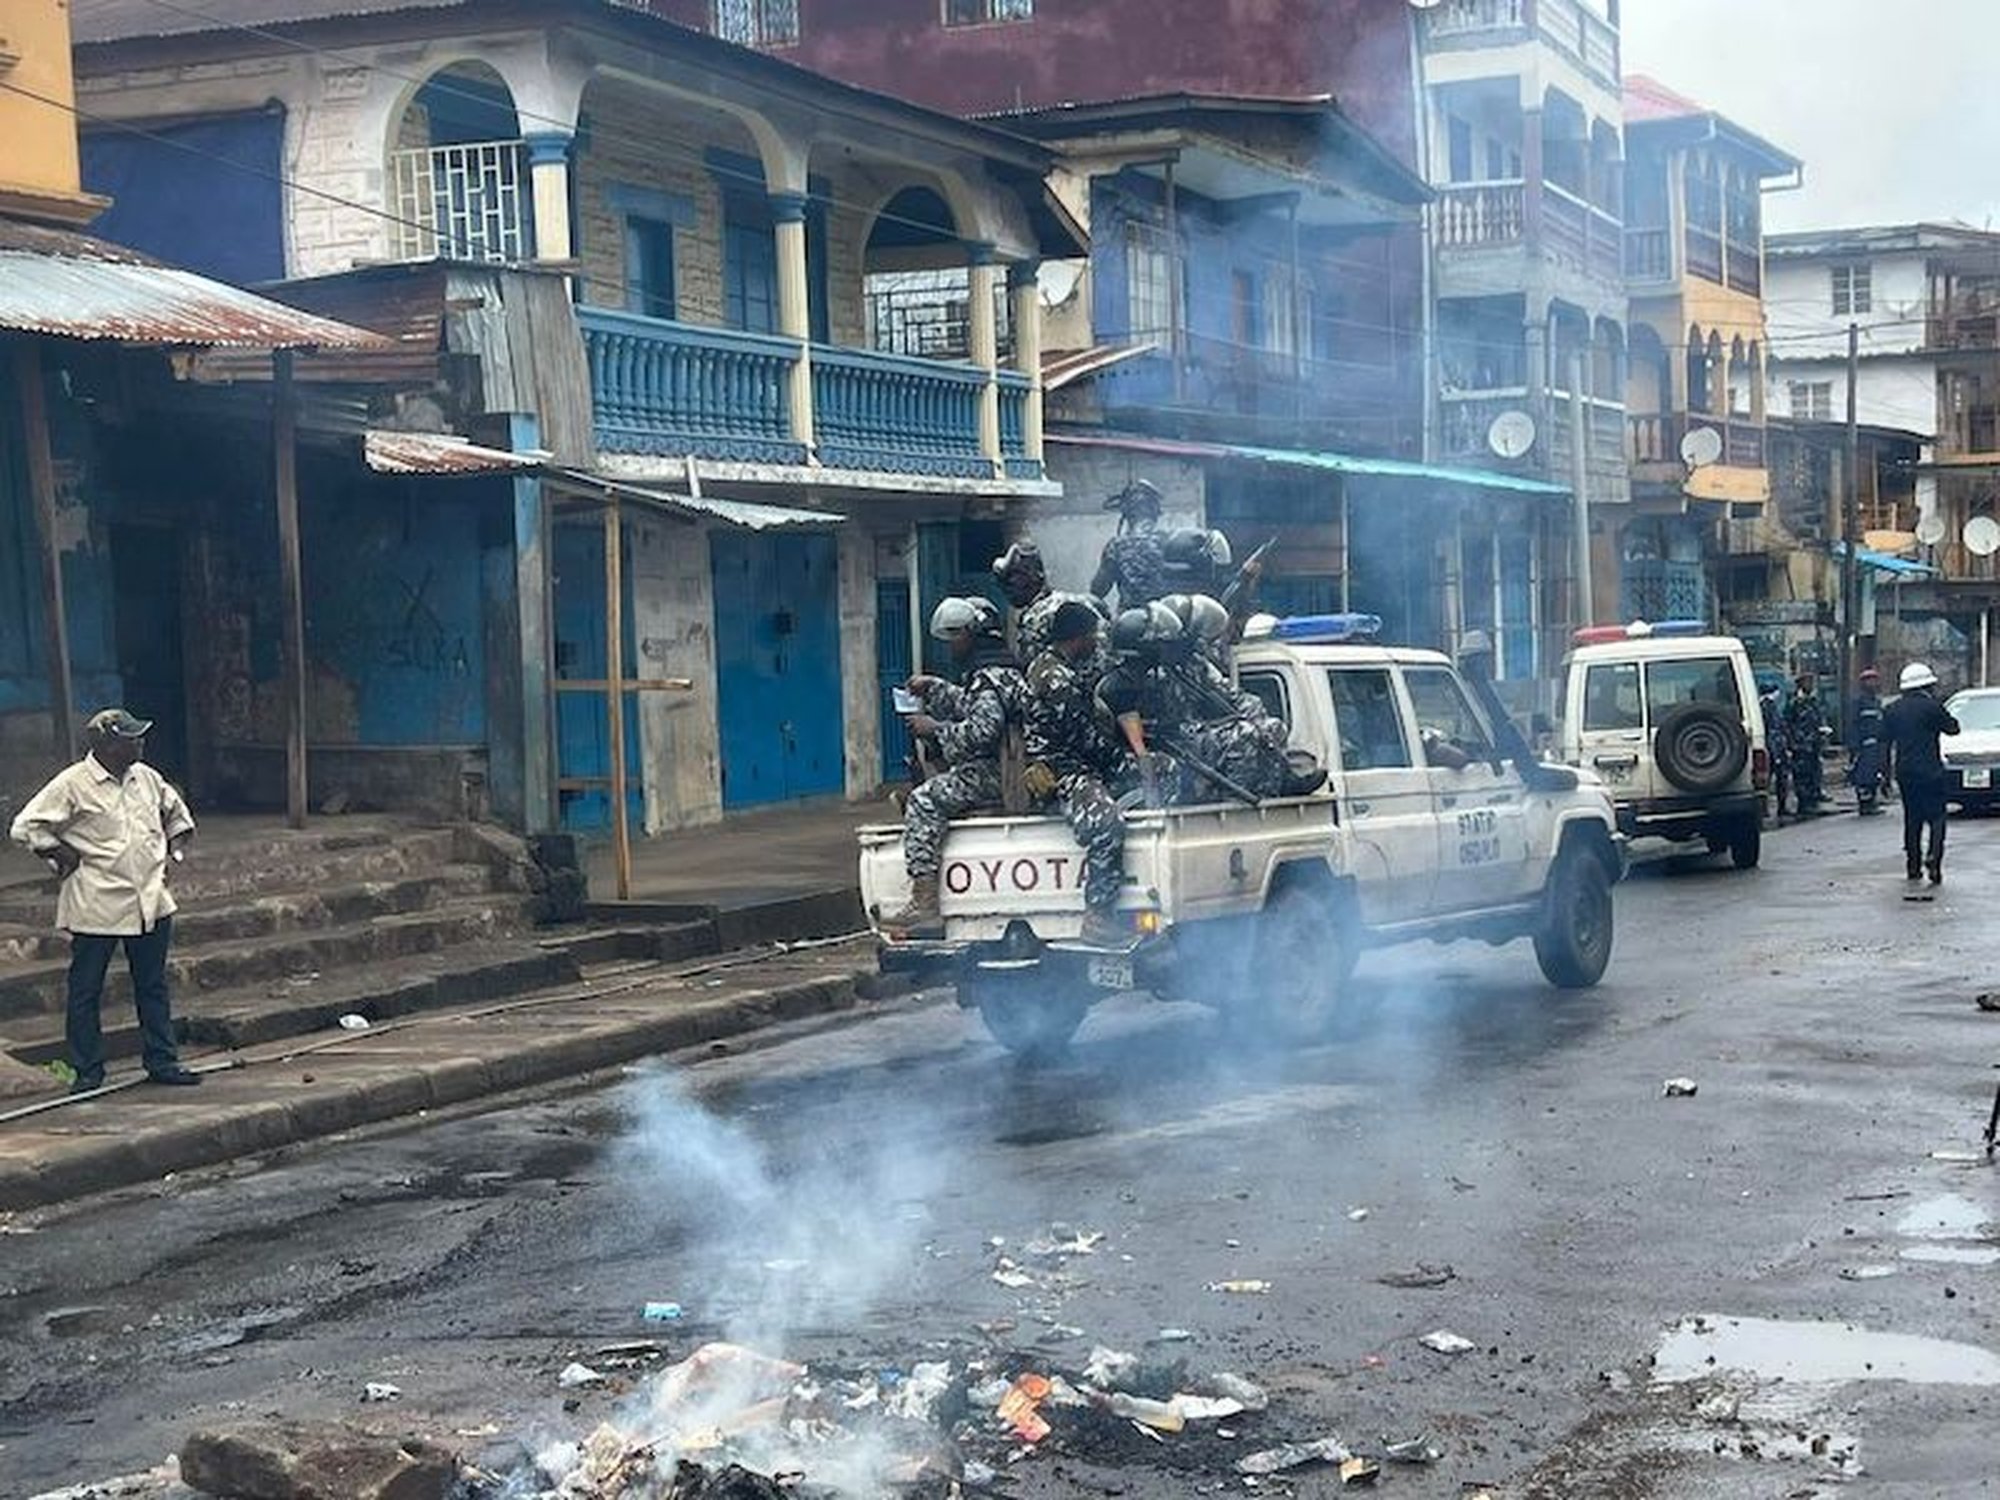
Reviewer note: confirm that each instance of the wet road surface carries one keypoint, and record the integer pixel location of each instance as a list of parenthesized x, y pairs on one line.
[(832, 1195)]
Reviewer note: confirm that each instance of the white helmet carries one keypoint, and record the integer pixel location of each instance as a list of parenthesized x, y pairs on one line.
[(1207, 617), (957, 616), (1917, 675)]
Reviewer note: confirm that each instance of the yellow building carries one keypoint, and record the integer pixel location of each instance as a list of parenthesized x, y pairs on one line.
[(1694, 261), (39, 173)]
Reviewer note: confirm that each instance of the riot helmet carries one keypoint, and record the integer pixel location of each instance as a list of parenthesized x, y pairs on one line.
[(1206, 618), (968, 616), (1021, 573), (1132, 630), (1139, 500)]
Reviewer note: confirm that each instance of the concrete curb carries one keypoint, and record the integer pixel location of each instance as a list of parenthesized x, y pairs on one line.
[(100, 1162)]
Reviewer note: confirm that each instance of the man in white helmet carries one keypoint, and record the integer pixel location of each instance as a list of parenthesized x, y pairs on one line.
[(1910, 729)]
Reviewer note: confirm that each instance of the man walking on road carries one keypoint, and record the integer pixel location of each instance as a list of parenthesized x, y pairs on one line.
[(109, 826), (1910, 728), (1864, 738)]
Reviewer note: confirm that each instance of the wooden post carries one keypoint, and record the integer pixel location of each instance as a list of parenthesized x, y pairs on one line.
[(42, 481), (284, 442), (614, 689)]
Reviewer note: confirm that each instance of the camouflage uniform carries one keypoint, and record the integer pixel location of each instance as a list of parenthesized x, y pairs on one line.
[(1195, 706), (1031, 629), (973, 718), (1134, 563), (1065, 734)]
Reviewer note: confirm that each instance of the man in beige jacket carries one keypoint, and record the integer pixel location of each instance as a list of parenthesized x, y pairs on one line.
[(110, 826)]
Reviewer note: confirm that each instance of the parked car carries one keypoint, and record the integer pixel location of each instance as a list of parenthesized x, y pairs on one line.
[(1972, 756), (1263, 909), (1668, 715)]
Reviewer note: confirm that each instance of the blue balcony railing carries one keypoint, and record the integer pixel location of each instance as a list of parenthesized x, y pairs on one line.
[(896, 414), (672, 389), (1015, 392)]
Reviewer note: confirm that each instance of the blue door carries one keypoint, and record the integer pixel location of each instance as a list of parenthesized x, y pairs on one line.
[(583, 727), (777, 662), (892, 670)]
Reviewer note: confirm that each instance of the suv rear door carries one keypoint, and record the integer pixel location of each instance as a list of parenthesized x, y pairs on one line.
[(1674, 680), (1610, 715)]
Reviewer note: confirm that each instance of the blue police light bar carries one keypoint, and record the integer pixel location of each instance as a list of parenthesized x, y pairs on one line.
[(1681, 627), (1327, 630)]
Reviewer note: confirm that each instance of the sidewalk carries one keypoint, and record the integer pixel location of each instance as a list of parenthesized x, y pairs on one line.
[(764, 872), (262, 1098)]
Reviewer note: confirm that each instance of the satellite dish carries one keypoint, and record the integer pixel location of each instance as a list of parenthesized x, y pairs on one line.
[(1701, 447), (1425, 4), (1982, 536), (1931, 530), (1512, 434)]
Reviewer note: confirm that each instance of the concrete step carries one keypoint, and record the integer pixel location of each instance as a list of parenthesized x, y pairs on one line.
[(271, 864), (203, 921), (36, 989), (380, 991)]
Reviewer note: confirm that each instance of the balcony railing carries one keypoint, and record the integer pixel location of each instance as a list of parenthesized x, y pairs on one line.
[(674, 389), (1471, 17), (1480, 215), (1704, 254), (1649, 255), (467, 202), (1656, 438), (1015, 393), (1746, 269), (1586, 36), (1582, 233), (1964, 323), (893, 413)]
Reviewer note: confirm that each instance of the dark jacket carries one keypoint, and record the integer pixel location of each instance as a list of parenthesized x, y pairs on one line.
[(1911, 726)]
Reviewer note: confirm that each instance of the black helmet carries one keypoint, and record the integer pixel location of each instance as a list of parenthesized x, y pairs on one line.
[(1021, 573), (1131, 631), (1139, 498)]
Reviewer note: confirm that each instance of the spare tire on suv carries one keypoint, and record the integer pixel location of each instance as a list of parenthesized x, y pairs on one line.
[(1701, 747)]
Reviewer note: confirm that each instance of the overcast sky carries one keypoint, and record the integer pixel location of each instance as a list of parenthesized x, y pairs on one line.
[(1893, 104)]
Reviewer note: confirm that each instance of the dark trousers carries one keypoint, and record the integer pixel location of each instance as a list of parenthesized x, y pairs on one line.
[(146, 956), (1923, 807)]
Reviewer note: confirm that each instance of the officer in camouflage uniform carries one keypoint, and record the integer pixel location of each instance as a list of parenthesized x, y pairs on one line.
[(1024, 579), (967, 721), (1069, 754), (1134, 561)]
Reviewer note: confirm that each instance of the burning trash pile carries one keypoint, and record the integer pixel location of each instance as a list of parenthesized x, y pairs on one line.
[(729, 1423)]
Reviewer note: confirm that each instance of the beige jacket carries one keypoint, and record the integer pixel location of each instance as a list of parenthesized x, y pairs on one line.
[(121, 830)]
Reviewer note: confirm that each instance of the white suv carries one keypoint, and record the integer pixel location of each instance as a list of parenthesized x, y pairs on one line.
[(1668, 715)]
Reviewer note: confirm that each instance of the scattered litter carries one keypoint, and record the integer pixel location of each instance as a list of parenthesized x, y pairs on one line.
[(1447, 1342), (1459, 1185), (1251, 1395), (1959, 1158), (662, 1312), (1205, 1408), (1357, 1215), (1019, 1408), (1164, 1416), (1109, 1367), (1326, 1450), (1240, 1288), (1679, 1088), (1417, 1450), (353, 1022), (1173, 1336), (1010, 1275), (1061, 1242), (1866, 1273), (917, 1397), (1359, 1471), (1987, 1000), (575, 1375), (1060, 1333), (1419, 1276), (381, 1390), (483, 1430), (979, 1474), (1881, 1197)]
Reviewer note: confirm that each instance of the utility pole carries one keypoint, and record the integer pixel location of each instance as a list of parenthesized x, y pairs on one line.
[(1579, 478), (1850, 528)]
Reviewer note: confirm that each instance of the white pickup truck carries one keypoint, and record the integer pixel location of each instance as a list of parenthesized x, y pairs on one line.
[(1264, 909)]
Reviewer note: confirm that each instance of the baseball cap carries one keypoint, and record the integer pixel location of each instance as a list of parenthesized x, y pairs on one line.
[(118, 724)]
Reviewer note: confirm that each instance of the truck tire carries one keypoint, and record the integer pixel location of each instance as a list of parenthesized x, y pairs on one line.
[(1746, 843), (1300, 982), (1029, 1017), (1701, 747), (1573, 944)]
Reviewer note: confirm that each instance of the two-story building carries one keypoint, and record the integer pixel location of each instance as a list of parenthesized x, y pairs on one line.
[(1694, 260), (1920, 299), (712, 219)]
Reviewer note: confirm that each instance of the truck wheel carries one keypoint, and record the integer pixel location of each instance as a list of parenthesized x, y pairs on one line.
[(1304, 961), (1746, 844), (1573, 944), (1028, 1017)]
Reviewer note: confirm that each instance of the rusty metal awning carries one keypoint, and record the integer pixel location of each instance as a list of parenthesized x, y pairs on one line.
[(1071, 365), (69, 285), (751, 515), (439, 453)]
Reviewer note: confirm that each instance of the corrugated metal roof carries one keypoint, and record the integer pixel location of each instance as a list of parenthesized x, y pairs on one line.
[(1070, 365), (1304, 458), (115, 20), (69, 285), (437, 453)]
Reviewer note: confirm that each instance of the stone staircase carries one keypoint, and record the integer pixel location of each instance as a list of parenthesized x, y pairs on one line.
[(281, 932)]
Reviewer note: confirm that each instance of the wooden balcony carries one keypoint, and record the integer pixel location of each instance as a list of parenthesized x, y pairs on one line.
[(1482, 215), (1649, 256), (1566, 25), (1582, 233), (1656, 439)]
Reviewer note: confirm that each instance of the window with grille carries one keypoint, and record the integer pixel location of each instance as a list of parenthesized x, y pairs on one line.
[(756, 23), (1152, 281), (1812, 400), (979, 12), (1853, 290)]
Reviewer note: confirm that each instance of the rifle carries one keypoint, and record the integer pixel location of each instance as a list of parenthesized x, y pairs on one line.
[(1240, 598), (1177, 747)]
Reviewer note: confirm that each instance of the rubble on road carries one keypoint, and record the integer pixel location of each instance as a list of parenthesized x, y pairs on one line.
[(1679, 1088), (1420, 1276), (1444, 1341), (309, 1461), (1326, 1450), (381, 1390)]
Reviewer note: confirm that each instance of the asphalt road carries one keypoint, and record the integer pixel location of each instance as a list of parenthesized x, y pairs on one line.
[(832, 1195)]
